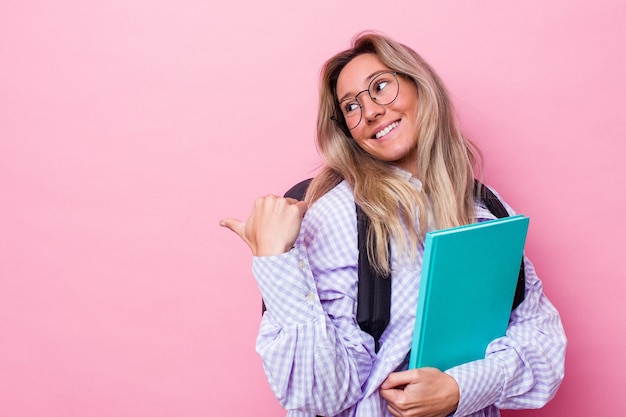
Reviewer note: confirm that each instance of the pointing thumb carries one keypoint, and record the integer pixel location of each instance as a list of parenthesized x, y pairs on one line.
[(235, 225)]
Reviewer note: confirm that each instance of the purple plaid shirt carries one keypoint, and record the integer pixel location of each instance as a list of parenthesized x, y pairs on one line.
[(319, 362)]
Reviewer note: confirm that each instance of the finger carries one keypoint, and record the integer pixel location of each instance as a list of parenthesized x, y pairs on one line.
[(235, 225), (399, 379), (393, 411), (394, 398), (392, 395), (303, 206), (299, 203)]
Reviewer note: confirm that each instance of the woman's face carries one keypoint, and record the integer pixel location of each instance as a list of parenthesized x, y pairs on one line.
[(387, 132)]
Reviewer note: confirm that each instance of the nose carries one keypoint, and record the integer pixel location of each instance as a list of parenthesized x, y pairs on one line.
[(371, 109)]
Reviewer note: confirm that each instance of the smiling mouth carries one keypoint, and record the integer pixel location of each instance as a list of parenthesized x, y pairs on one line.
[(386, 130)]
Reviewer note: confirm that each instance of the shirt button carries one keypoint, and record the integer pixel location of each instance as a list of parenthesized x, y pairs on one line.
[(301, 264), (310, 298)]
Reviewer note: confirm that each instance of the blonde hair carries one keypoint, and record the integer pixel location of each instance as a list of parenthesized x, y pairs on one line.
[(445, 159)]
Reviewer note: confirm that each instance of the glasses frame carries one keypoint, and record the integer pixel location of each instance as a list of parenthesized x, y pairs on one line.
[(340, 119)]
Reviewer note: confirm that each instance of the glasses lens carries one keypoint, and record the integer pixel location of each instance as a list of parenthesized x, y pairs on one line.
[(384, 88), (349, 113)]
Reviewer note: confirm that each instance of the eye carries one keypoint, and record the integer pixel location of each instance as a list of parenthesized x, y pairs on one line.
[(380, 85), (349, 107)]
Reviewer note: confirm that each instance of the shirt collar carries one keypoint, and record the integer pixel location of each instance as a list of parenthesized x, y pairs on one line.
[(407, 176)]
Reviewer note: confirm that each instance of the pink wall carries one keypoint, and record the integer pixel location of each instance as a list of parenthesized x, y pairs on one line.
[(128, 129)]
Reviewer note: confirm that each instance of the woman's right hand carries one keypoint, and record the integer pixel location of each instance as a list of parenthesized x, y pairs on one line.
[(272, 227)]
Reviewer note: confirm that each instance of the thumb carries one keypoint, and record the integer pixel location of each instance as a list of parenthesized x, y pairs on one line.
[(398, 379), (235, 225)]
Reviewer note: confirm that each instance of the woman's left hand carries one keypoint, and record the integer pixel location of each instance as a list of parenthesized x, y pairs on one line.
[(423, 392)]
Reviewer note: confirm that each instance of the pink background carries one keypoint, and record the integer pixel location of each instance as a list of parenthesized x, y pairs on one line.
[(129, 128)]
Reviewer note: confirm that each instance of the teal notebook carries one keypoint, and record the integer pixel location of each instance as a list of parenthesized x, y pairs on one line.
[(468, 281)]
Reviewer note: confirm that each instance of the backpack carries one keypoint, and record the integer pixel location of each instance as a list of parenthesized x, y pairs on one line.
[(374, 290)]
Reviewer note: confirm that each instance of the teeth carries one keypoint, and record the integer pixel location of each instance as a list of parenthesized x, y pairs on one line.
[(386, 130)]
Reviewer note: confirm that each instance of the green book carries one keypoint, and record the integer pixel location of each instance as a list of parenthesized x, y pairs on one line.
[(468, 281)]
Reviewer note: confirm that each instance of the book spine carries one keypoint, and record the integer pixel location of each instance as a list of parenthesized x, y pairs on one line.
[(415, 359)]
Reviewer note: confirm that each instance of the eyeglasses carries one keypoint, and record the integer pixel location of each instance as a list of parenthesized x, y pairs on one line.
[(383, 90)]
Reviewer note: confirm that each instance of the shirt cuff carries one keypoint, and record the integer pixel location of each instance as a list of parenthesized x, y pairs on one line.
[(287, 287), (480, 385)]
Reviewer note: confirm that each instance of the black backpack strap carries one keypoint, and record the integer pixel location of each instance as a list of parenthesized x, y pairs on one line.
[(495, 206), (374, 295), (298, 191)]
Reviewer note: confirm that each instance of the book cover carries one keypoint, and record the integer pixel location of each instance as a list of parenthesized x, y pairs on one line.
[(468, 280)]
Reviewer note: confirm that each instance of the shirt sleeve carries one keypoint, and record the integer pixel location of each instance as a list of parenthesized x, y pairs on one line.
[(315, 357), (524, 368)]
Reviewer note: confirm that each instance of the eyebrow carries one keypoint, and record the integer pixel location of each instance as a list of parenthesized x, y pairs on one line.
[(369, 79)]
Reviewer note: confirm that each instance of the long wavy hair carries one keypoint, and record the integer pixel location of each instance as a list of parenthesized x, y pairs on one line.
[(445, 161)]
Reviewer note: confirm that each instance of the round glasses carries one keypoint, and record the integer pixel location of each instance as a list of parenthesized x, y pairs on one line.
[(383, 90)]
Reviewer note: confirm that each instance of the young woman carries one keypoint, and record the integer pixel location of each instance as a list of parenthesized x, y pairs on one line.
[(391, 144)]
